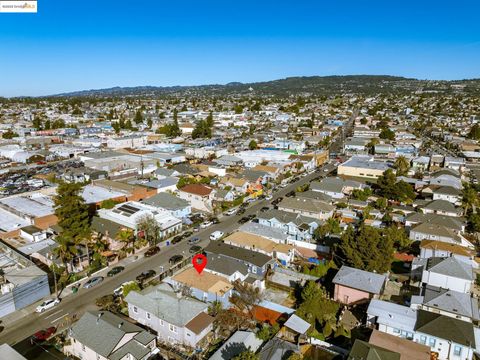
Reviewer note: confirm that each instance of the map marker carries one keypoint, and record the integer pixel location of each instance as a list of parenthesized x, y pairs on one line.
[(199, 262)]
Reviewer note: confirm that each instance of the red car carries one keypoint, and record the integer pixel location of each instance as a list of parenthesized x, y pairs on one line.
[(43, 335)]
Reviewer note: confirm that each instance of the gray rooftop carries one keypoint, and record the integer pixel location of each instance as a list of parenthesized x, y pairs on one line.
[(237, 343), (450, 266), (297, 324), (112, 329), (167, 201), (309, 205), (235, 252), (164, 303), (264, 230), (452, 301), (288, 217), (360, 279)]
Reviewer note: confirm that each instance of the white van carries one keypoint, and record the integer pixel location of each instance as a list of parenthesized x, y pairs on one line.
[(216, 235)]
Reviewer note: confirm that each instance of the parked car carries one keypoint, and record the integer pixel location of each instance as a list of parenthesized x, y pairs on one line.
[(175, 259), (241, 211), (215, 220), (115, 271), (231, 212), (194, 249), (193, 240), (290, 194), (146, 275), (43, 335), (47, 304), (206, 224), (265, 208), (187, 234), (216, 235), (243, 220), (177, 239), (269, 197), (277, 201), (92, 282), (152, 251)]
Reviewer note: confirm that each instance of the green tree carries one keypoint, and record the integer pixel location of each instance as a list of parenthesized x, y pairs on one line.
[(331, 226), (151, 229), (473, 222), (398, 236), (267, 332), (387, 134), (247, 355), (9, 134), (317, 309), (402, 165), (238, 109), (252, 145), (202, 130), (367, 249), (138, 117), (474, 132), (470, 198), (127, 237), (130, 286)]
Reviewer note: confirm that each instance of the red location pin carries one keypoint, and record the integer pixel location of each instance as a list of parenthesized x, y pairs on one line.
[(199, 262)]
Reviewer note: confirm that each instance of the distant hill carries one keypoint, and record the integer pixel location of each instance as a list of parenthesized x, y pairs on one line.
[(317, 85)]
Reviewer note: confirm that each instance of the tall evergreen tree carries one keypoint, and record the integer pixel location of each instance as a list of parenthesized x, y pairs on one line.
[(367, 249)]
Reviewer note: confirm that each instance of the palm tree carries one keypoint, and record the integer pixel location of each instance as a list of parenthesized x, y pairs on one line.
[(66, 250), (402, 165), (127, 237), (469, 198)]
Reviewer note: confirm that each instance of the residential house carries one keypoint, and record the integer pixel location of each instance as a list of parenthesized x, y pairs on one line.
[(229, 161), (224, 195), (299, 227), (241, 186), (207, 287), (458, 305), (257, 263), (282, 252), (448, 273), (131, 213), (307, 207), (177, 207), (431, 231), (448, 337), (353, 285), (199, 196), (448, 193), (176, 318), (441, 207), (336, 188), (101, 335)]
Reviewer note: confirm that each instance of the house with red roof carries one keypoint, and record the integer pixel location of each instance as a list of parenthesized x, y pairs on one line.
[(199, 196)]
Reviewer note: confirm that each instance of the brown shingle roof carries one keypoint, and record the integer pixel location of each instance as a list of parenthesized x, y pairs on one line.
[(197, 189), (199, 323)]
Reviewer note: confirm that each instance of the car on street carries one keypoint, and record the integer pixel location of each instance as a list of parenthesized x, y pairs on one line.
[(195, 249), (216, 235), (290, 194), (206, 224), (146, 275), (265, 208), (92, 282), (177, 239), (43, 335), (116, 270), (215, 220), (193, 240), (47, 304), (175, 259), (277, 201), (241, 211), (231, 212), (152, 251), (243, 220), (284, 185), (187, 234), (269, 197)]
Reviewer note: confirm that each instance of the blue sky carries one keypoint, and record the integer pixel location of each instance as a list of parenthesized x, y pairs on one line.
[(90, 44)]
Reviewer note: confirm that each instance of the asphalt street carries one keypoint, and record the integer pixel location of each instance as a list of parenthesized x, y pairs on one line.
[(61, 315)]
